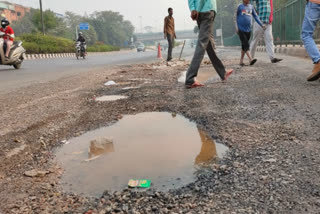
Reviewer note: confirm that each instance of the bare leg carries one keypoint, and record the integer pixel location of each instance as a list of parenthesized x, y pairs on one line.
[(9, 44), (249, 56), (242, 57)]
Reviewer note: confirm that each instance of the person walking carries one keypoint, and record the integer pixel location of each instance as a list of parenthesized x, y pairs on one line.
[(312, 16), (169, 32), (204, 12), (265, 13), (243, 19)]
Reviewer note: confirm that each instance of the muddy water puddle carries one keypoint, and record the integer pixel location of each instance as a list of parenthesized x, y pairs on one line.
[(165, 148), (203, 76)]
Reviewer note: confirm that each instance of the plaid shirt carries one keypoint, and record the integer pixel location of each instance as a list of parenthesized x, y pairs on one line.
[(264, 9)]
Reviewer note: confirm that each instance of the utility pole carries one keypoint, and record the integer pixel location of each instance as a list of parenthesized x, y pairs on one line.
[(41, 14)]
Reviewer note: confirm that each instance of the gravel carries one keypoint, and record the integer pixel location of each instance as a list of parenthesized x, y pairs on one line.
[(268, 115)]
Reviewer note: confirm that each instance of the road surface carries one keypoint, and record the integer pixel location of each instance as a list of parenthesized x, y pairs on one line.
[(45, 70)]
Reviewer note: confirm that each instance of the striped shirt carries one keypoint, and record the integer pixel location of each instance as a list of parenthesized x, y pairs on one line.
[(264, 10)]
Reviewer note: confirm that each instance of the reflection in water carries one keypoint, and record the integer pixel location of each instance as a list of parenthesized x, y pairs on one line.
[(203, 76), (208, 149), (100, 147), (158, 146)]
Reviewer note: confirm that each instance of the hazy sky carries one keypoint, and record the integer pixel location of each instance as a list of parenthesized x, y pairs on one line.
[(152, 11)]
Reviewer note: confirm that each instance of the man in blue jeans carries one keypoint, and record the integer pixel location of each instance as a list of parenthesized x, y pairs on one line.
[(312, 16), (204, 12)]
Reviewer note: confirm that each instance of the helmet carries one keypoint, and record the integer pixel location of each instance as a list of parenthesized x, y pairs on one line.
[(5, 22), (80, 34)]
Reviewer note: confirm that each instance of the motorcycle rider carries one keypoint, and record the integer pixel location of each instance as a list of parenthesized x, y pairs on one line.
[(9, 35), (82, 40)]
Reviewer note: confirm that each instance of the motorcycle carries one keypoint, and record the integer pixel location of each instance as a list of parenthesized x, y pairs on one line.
[(81, 50), (16, 55)]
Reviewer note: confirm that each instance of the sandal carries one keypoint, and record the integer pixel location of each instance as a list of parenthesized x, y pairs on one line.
[(229, 72), (195, 85), (253, 62)]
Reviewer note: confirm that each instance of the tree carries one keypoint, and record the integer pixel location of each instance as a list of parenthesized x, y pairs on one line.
[(50, 20), (73, 20), (25, 25), (111, 27)]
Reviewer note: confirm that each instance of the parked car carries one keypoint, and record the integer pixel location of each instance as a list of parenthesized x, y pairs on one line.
[(141, 47)]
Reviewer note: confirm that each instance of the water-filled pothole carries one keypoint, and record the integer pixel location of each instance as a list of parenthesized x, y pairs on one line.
[(203, 76), (110, 98), (165, 148)]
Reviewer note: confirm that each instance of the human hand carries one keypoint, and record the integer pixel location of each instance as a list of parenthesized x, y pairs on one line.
[(194, 15), (264, 27), (237, 31), (165, 36)]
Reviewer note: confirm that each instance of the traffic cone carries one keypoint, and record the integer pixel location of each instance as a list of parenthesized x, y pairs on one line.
[(159, 52)]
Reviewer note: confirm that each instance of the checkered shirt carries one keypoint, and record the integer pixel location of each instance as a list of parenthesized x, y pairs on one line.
[(263, 10)]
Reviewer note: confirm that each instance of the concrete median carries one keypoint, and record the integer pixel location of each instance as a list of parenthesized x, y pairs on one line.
[(289, 50)]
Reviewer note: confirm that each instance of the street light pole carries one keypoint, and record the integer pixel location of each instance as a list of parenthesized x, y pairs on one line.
[(41, 14)]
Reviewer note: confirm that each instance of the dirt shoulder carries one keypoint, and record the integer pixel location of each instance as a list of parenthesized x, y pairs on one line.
[(268, 116)]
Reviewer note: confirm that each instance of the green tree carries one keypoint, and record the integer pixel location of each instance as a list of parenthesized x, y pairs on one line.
[(25, 25), (73, 20), (111, 28), (50, 20)]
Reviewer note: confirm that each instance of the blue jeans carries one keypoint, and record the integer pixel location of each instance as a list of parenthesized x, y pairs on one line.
[(312, 16)]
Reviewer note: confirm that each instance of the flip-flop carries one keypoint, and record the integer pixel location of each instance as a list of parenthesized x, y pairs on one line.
[(314, 76), (229, 72), (194, 85), (253, 62)]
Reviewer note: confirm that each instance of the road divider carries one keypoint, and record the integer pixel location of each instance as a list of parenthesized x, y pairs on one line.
[(66, 55), (287, 50)]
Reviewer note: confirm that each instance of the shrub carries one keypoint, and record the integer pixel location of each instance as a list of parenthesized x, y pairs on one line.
[(37, 43)]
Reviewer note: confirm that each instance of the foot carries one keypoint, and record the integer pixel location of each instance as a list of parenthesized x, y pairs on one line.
[(228, 73), (275, 60), (253, 62), (195, 85), (315, 73), (242, 64), (169, 59)]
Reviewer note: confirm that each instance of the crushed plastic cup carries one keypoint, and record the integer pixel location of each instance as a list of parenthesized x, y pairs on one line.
[(140, 183)]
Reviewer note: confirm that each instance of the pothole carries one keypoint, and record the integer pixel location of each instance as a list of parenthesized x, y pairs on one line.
[(162, 147), (203, 76), (110, 98)]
